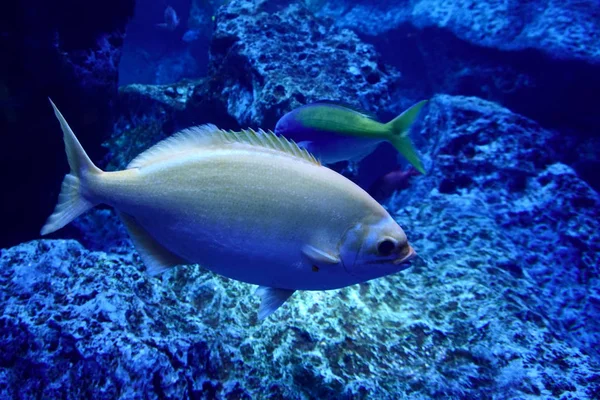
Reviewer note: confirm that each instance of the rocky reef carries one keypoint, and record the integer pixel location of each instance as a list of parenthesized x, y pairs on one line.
[(266, 58), (258, 81), (563, 30), (149, 114), (269, 57), (538, 58), (486, 47), (504, 166), (502, 299)]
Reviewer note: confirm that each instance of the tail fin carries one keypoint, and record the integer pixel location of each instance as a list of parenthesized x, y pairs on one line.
[(71, 202), (400, 127)]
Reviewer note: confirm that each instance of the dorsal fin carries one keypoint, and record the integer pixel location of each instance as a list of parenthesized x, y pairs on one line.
[(209, 135)]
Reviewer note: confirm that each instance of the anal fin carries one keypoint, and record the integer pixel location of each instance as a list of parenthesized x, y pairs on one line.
[(156, 257), (271, 300)]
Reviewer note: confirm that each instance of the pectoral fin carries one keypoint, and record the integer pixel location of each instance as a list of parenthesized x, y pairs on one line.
[(155, 256), (271, 300), (319, 257)]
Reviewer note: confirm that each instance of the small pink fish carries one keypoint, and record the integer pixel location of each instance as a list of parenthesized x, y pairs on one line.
[(171, 20), (387, 184)]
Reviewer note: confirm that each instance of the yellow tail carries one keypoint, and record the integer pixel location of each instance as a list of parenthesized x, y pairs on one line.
[(71, 202), (400, 128)]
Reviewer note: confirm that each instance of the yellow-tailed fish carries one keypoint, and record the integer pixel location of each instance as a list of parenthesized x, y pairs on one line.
[(333, 132), (247, 205)]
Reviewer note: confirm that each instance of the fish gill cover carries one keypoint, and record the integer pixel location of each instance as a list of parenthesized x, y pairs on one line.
[(504, 298)]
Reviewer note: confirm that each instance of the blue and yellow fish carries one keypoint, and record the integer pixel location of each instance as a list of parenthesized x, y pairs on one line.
[(334, 132)]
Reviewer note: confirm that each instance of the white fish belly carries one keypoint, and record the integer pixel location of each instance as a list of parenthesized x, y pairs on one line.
[(246, 214)]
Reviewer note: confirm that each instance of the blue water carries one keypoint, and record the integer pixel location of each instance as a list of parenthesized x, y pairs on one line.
[(503, 299)]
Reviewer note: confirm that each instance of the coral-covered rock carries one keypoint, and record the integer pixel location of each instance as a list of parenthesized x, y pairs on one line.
[(268, 57), (460, 323), (149, 114), (100, 229), (503, 298), (256, 76), (94, 327), (540, 59), (501, 165), (469, 142), (565, 29)]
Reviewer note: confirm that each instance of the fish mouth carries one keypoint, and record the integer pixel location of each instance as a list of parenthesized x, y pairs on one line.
[(406, 258)]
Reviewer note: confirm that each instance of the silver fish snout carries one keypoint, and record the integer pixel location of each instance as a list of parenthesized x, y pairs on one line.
[(405, 258)]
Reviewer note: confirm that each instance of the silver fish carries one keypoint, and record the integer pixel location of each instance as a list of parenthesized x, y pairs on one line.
[(247, 205)]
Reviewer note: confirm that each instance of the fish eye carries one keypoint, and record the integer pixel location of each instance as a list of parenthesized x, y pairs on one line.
[(386, 246)]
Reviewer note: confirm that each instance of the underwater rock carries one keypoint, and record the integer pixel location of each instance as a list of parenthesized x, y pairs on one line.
[(540, 59), (564, 30), (503, 298), (100, 229), (68, 51), (255, 77), (268, 57), (93, 327), (502, 165), (458, 323), (149, 113)]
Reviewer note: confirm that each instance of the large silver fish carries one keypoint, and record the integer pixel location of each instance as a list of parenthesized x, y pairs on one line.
[(247, 205)]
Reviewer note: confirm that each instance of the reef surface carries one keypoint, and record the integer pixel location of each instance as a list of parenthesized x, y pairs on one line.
[(504, 297), (470, 318)]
